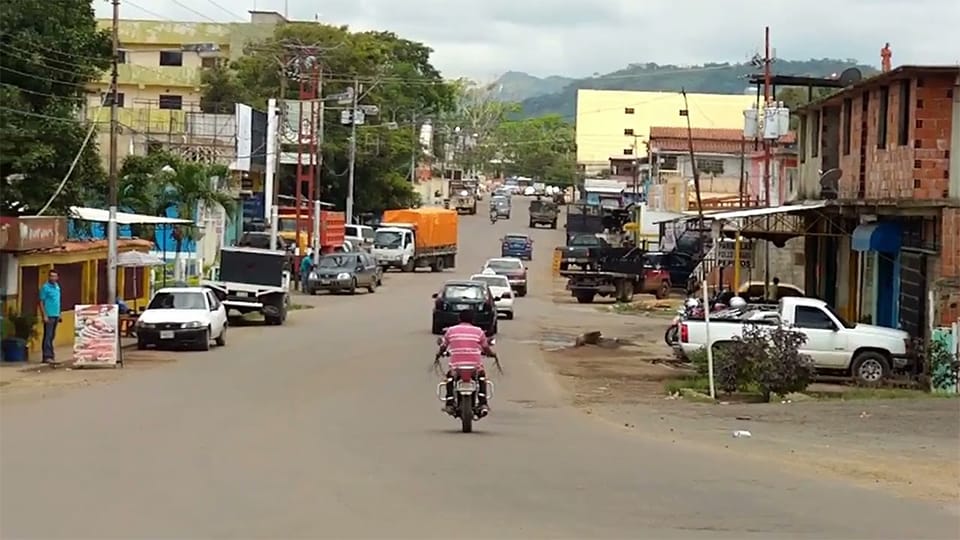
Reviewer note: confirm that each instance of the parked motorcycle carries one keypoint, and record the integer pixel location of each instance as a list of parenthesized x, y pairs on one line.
[(466, 394), (690, 308)]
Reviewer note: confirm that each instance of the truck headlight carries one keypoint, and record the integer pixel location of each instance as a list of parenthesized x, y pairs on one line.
[(343, 275), (192, 324)]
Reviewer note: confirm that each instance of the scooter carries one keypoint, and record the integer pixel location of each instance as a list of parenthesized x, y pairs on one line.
[(493, 217), (466, 394)]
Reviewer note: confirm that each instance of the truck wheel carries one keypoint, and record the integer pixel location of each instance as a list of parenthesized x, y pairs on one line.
[(521, 291), (663, 291), (870, 368), (585, 297), (410, 265), (438, 265)]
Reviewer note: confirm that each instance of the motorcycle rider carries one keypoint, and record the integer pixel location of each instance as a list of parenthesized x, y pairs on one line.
[(467, 345)]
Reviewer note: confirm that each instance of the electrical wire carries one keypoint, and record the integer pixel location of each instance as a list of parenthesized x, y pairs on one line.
[(76, 159), (145, 10), (225, 10)]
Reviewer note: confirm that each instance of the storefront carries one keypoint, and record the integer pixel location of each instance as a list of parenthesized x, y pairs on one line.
[(878, 244)]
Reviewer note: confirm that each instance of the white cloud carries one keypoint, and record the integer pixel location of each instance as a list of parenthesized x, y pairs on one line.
[(483, 38)]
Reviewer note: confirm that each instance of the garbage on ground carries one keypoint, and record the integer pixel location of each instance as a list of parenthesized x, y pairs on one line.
[(742, 434)]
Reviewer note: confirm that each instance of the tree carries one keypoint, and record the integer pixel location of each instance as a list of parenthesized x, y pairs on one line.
[(478, 116), (541, 148), (396, 74), (49, 52), (220, 90)]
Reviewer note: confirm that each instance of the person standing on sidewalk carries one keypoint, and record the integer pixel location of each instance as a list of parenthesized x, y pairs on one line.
[(305, 266), (50, 309)]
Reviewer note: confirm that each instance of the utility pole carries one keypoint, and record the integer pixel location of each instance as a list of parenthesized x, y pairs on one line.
[(318, 190), (703, 242), (413, 152), (114, 181), (353, 148), (281, 127), (767, 144)]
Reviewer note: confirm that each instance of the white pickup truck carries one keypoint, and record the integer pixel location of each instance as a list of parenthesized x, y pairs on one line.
[(866, 352)]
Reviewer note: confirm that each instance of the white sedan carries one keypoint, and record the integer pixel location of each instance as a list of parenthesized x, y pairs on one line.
[(177, 316), (500, 288)]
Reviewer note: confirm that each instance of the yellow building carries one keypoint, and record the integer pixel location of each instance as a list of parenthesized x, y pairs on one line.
[(82, 266), (610, 122), (159, 83)]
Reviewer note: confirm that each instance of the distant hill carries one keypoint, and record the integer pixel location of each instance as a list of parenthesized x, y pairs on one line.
[(723, 78), (516, 86)]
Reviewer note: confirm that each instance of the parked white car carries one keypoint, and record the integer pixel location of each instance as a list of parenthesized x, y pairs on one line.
[(183, 316), (361, 236), (500, 287), (865, 351)]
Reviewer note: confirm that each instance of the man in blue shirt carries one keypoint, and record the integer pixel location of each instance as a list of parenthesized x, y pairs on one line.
[(305, 266), (50, 310)]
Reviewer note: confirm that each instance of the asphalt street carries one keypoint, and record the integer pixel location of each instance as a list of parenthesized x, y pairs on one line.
[(328, 427)]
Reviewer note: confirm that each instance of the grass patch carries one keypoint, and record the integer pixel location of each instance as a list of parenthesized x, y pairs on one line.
[(857, 393), (295, 307), (693, 382)]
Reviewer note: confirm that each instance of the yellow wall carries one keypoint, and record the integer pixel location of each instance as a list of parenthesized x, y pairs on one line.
[(601, 119), (46, 261)]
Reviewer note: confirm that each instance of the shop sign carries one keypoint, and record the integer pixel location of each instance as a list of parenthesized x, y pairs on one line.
[(30, 233)]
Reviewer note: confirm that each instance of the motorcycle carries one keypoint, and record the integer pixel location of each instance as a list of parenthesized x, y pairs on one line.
[(691, 309), (466, 393), (493, 217)]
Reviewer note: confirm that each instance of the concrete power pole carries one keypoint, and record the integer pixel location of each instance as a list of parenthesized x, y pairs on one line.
[(278, 153), (353, 148), (318, 190), (114, 181)]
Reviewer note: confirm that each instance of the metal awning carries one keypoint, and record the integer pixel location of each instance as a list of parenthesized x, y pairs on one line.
[(123, 218), (766, 211)]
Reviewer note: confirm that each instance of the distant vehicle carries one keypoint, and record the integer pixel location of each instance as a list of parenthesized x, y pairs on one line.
[(189, 316), (252, 280), (500, 206), (517, 245), (461, 295), (543, 212), (344, 272), (529, 191), (513, 269), (500, 287), (417, 237), (361, 236)]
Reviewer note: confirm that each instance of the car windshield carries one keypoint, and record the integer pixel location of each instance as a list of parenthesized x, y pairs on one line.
[(493, 281), (337, 261), (584, 240), (516, 239), (387, 239), (653, 260), (840, 318), (178, 300), (504, 264), (463, 292)]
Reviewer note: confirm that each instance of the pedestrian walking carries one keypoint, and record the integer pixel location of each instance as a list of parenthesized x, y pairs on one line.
[(50, 309), (305, 266)]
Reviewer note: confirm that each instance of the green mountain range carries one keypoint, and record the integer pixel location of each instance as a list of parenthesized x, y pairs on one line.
[(558, 95)]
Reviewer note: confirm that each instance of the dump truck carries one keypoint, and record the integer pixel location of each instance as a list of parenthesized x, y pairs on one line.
[(412, 238), (252, 280), (463, 198), (543, 212)]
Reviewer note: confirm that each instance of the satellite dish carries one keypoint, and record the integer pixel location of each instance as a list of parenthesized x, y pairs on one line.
[(850, 76), (830, 184)]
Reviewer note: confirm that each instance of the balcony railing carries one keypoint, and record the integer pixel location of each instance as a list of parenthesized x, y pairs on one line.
[(191, 122)]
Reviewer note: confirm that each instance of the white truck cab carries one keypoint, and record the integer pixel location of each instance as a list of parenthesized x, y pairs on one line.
[(865, 351), (395, 245)]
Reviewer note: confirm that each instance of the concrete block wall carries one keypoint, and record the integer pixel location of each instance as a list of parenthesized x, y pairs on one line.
[(949, 297)]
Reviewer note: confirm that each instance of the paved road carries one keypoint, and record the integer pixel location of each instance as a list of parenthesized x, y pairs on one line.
[(328, 427)]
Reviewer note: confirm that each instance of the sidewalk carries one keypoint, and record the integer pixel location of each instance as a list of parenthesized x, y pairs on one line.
[(33, 378)]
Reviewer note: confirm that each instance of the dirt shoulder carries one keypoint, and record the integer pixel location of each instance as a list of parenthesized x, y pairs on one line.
[(910, 446)]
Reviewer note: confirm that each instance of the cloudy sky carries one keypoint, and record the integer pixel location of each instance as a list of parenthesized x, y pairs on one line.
[(484, 38)]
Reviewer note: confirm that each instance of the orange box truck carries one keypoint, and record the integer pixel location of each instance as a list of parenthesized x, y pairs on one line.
[(414, 238)]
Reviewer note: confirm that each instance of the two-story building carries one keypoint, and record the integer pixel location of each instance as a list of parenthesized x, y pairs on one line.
[(891, 252), (160, 83), (614, 124)]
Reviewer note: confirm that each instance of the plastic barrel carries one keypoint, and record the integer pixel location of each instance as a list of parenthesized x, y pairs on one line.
[(14, 350)]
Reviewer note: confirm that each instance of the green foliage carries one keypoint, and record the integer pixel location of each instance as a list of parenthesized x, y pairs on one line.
[(943, 367), (541, 148), (48, 52), (716, 78), (396, 75), (153, 183), (765, 358), (20, 325)]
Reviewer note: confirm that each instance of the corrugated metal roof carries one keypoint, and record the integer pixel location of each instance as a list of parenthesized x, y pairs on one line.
[(123, 218)]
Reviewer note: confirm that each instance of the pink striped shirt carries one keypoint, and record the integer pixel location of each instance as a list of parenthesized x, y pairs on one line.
[(466, 344)]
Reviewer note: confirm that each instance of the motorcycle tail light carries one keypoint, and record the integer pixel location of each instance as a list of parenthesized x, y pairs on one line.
[(466, 375), (684, 333)]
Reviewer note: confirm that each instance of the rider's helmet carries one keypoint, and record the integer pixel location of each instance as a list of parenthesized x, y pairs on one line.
[(691, 303), (738, 302)]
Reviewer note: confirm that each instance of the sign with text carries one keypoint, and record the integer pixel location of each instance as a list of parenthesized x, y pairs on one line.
[(33, 232), (96, 335), (726, 253)]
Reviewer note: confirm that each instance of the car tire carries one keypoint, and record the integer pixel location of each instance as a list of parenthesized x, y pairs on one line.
[(141, 345), (509, 315), (222, 338), (663, 291), (436, 328), (521, 291), (870, 368), (353, 287), (372, 288), (205, 345)]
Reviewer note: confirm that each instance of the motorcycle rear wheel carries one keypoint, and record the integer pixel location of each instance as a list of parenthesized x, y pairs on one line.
[(466, 414), (671, 335)]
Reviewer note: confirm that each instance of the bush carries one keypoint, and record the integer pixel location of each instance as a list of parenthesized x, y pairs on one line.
[(729, 371)]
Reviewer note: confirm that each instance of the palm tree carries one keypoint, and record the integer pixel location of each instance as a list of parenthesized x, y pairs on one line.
[(186, 186)]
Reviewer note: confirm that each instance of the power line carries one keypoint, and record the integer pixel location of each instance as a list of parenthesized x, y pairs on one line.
[(145, 10), (225, 10), (195, 12)]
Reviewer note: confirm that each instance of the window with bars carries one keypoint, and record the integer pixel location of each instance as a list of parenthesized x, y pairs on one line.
[(710, 166)]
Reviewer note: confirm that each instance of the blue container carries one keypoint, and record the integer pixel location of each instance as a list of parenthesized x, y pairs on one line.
[(14, 350)]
